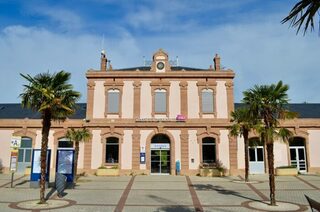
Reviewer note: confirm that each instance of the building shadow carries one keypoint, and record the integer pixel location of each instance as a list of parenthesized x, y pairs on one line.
[(221, 190), (50, 193), (178, 208), (170, 206), (22, 182)]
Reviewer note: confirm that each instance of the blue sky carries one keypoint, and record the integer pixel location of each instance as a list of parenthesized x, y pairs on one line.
[(37, 36)]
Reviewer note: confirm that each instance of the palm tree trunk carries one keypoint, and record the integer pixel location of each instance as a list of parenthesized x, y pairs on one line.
[(246, 155), (76, 153), (46, 124), (271, 173)]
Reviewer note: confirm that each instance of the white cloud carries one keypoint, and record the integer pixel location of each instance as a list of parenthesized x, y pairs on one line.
[(35, 50), (65, 19), (176, 16), (259, 52)]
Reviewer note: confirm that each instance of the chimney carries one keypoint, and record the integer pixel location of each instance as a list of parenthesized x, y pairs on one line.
[(103, 65), (216, 61)]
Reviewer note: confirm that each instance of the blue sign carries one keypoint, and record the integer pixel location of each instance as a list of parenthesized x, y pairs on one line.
[(65, 163), (36, 166), (142, 157)]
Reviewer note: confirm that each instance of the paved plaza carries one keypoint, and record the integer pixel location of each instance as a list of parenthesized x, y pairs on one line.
[(164, 193)]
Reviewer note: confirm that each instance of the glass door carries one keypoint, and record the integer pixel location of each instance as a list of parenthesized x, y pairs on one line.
[(298, 158), (160, 161), (165, 161), (256, 160), (24, 154), (155, 161)]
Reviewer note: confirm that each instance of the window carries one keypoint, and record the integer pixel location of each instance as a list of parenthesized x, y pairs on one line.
[(252, 154), (113, 101), (65, 143), (208, 150), (24, 154), (256, 154), (207, 100), (112, 150), (160, 101)]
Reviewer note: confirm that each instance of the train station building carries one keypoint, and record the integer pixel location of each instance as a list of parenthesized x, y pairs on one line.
[(153, 118)]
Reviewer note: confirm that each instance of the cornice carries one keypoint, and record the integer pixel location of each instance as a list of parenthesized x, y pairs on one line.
[(147, 74), (6, 124)]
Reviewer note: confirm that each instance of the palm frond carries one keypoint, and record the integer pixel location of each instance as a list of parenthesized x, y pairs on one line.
[(303, 13), (50, 92), (78, 135)]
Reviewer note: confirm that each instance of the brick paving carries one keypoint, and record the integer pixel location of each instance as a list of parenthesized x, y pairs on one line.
[(165, 193)]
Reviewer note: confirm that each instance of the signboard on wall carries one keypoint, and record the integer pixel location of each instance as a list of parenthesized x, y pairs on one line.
[(142, 157), (160, 146), (15, 142)]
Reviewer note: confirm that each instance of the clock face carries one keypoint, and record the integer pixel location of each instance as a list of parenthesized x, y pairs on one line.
[(160, 65)]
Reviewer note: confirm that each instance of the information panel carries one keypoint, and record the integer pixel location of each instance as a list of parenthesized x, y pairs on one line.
[(13, 161), (36, 166), (65, 163)]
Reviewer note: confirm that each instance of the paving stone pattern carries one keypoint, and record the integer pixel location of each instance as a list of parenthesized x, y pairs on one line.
[(165, 193)]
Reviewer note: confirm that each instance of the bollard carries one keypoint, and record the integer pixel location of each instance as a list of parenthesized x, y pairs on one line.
[(178, 167)]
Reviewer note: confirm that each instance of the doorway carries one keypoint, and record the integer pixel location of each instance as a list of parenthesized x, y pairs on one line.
[(160, 161), (298, 154), (256, 156), (24, 154), (160, 155)]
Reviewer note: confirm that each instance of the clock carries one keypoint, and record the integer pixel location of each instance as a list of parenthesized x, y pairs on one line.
[(160, 65)]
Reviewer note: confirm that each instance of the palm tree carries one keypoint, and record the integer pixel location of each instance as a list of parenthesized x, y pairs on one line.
[(76, 136), (303, 12), (54, 99), (243, 123), (268, 103)]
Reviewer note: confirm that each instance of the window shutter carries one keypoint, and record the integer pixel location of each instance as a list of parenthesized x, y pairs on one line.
[(160, 102), (207, 101), (113, 102)]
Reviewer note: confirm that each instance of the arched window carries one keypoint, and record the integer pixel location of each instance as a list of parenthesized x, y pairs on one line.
[(160, 138), (65, 143), (112, 150), (113, 101), (160, 101), (208, 150), (207, 101), (296, 141)]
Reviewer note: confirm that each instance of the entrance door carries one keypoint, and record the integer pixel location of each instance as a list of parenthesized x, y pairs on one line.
[(256, 160), (298, 158), (24, 154), (160, 161)]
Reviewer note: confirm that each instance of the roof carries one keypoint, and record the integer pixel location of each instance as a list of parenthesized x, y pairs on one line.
[(304, 110), (173, 68), (15, 111)]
